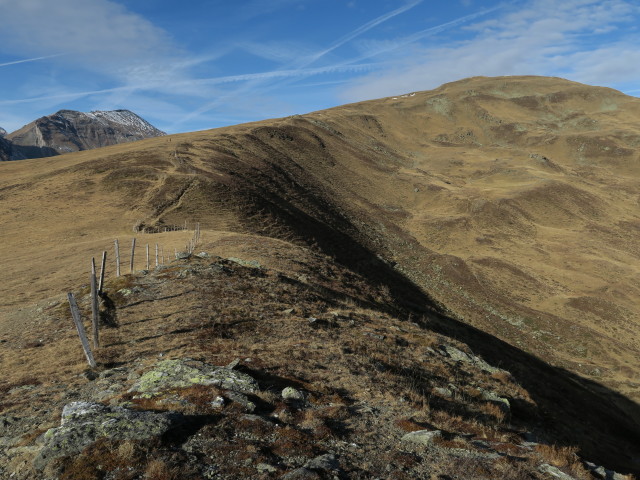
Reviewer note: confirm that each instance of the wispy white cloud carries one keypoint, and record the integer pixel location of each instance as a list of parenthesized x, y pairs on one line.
[(299, 67), (188, 85), (101, 34), (541, 37), (372, 48), (257, 8)]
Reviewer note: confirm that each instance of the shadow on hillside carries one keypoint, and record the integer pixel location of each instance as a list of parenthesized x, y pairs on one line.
[(572, 410)]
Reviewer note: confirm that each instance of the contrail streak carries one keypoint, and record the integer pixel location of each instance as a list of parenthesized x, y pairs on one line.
[(360, 30), (309, 60), (26, 60)]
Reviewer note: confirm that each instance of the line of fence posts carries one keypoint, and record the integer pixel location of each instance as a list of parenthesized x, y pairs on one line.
[(97, 284), (94, 304), (103, 264), (117, 247), (133, 252), (77, 319)]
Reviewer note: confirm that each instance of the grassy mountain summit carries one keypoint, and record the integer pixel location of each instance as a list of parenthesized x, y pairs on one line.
[(498, 211)]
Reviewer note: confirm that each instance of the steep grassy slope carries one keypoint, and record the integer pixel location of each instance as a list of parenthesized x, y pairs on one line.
[(509, 204)]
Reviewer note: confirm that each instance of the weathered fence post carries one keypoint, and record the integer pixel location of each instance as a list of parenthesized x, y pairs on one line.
[(117, 258), (133, 252), (162, 253), (75, 313), (102, 268), (156, 254), (94, 304), (147, 256)]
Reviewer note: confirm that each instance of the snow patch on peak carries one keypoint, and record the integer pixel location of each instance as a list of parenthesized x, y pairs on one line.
[(126, 118)]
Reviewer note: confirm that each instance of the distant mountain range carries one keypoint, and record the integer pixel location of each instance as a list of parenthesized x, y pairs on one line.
[(70, 131)]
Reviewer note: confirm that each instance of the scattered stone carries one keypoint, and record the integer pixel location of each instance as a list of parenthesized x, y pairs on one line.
[(422, 437), (170, 374), (266, 468), (202, 255), (288, 311), (241, 399), (503, 403), (602, 473), (301, 474), (373, 335), (245, 263), (84, 422), (443, 392), (210, 472), (233, 364), (183, 255), (90, 375), (460, 356), (290, 393), (327, 463), (554, 472), (217, 402)]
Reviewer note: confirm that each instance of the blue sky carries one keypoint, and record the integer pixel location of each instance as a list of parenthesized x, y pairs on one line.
[(201, 64)]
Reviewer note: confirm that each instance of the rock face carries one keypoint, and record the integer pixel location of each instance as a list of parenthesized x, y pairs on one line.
[(5, 149), (70, 131), (84, 422), (3, 132), (180, 374)]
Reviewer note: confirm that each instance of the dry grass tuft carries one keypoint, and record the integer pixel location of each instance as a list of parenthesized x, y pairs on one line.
[(157, 469)]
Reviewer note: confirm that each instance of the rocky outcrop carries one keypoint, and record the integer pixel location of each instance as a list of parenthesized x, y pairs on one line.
[(172, 374), (5, 149), (70, 131), (85, 422)]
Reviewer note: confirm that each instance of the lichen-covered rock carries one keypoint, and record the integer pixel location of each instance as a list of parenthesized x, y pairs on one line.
[(460, 356), (170, 374), (84, 422), (290, 393), (503, 403), (422, 437), (554, 472), (327, 463), (301, 474), (245, 263)]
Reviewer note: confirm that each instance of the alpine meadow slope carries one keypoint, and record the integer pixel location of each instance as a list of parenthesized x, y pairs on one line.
[(502, 212)]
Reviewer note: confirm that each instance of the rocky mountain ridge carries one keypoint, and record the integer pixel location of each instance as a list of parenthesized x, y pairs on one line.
[(496, 216), (69, 131), (275, 387)]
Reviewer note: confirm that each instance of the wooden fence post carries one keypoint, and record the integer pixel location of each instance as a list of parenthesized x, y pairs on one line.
[(162, 253), (102, 268), (117, 258), (133, 252), (147, 256), (94, 304), (156, 254), (75, 313)]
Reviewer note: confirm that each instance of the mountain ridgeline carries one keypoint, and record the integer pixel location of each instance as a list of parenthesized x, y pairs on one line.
[(499, 212), (70, 131)]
